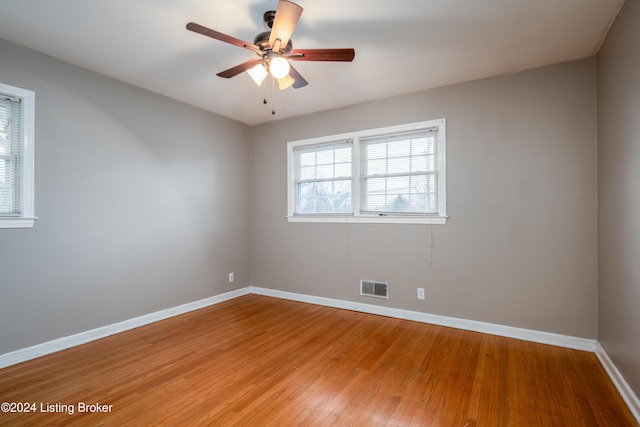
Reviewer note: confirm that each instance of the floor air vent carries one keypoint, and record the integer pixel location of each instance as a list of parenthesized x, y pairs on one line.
[(370, 288)]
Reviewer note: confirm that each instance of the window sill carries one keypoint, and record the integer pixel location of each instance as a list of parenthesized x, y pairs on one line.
[(385, 219), (17, 222)]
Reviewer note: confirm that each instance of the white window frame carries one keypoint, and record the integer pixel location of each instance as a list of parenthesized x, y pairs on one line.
[(27, 159), (358, 216)]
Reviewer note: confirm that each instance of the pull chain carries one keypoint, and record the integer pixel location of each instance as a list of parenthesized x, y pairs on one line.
[(430, 246), (346, 248)]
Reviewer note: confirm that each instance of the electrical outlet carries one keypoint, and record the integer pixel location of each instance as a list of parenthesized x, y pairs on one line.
[(420, 293), (231, 277)]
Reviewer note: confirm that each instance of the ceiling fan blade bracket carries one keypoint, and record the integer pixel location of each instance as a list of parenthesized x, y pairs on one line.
[(276, 45)]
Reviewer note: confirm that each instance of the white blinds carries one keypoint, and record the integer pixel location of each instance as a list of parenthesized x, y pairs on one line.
[(324, 178), (9, 156), (399, 173)]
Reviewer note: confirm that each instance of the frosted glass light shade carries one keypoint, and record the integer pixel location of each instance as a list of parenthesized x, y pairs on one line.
[(258, 73), (285, 82), (279, 67)]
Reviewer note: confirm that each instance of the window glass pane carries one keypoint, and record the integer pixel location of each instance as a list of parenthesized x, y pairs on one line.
[(376, 185), (377, 167), (399, 165), (400, 148), (418, 184), (432, 205), (398, 184), (343, 155), (419, 146), (343, 170), (325, 157), (307, 159), (399, 203), (431, 183), (419, 164), (307, 172), (375, 202), (377, 151), (430, 145), (324, 171), (418, 202)]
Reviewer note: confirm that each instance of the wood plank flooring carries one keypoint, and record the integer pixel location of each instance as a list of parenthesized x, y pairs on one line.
[(259, 361)]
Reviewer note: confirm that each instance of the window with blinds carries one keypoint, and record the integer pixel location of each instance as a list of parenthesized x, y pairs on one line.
[(9, 156), (17, 122), (324, 178), (395, 174), (399, 173)]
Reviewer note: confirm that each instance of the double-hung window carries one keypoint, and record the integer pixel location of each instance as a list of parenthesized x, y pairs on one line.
[(16, 157), (394, 174), (324, 181)]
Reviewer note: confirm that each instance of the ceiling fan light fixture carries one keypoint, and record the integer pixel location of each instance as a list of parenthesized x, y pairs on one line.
[(258, 73), (285, 82), (279, 67), (274, 48)]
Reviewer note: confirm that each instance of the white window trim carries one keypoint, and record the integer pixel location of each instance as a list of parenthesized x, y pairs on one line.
[(370, 218), (27, 166)]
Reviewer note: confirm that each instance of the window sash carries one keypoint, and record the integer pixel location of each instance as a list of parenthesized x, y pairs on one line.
[(399, 173), (324, 178)]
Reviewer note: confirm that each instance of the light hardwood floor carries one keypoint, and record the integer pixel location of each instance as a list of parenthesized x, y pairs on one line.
[(259, 361)]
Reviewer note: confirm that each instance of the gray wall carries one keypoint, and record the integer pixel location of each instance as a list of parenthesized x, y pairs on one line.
[(619, 194), (520, 246), (143, 205)]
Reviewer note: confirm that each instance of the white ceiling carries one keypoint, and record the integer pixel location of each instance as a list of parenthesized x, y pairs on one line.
[(402, 46)]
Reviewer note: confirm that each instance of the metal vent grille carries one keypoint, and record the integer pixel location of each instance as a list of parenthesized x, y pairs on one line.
[(374, 289)]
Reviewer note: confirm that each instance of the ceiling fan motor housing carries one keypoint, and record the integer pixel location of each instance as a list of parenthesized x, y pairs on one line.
[(268, 17), (262, 41)]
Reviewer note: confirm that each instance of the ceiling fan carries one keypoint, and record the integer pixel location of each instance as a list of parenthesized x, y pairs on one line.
[(274, 48)]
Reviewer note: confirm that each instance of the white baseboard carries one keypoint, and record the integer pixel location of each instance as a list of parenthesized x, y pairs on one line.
[(618, 380), (53, 346), (469, 325)]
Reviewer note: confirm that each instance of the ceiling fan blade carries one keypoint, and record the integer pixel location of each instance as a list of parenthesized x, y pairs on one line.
[(337, 55), (200, 29), (299, 80), (287, 15), (234, 71)]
